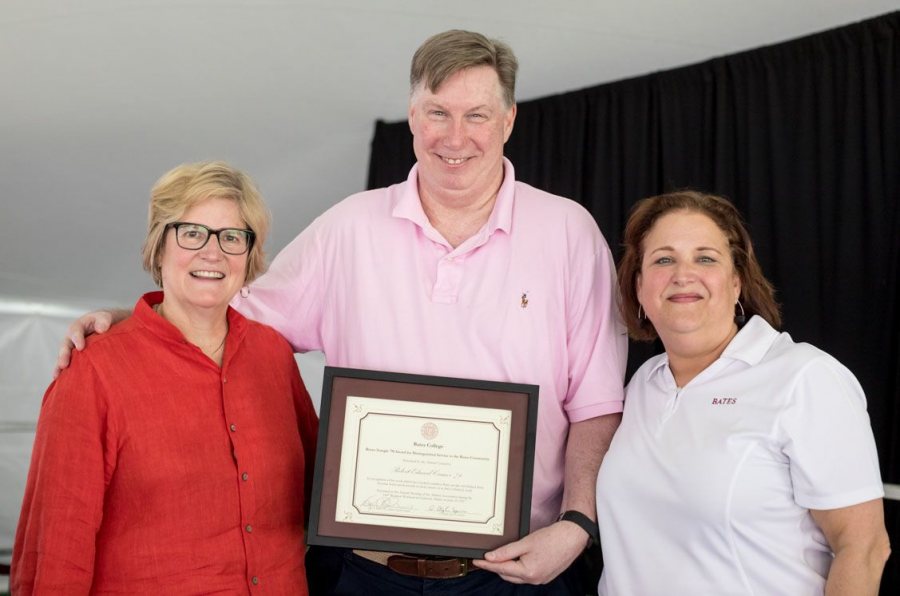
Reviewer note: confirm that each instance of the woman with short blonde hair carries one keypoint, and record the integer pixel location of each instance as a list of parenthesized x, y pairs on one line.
[(175, 454)]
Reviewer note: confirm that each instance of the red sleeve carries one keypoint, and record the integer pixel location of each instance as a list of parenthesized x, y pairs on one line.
[(308, 425), (63, 504)]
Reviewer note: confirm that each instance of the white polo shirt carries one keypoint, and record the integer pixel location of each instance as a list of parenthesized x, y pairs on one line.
[(707, 489)]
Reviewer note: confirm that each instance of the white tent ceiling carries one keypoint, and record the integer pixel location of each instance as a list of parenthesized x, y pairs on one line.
[(99, 97)]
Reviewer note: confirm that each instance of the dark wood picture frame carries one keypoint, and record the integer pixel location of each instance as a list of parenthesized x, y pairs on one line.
[(338, 383)]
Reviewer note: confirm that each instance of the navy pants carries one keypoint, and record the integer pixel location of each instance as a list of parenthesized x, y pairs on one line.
[(338, 572)]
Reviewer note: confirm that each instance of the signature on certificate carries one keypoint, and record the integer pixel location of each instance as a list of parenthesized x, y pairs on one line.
[(447, 510), (382, 502)]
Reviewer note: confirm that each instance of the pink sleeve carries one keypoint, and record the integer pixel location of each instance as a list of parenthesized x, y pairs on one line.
[(289, 296), (597, 341)]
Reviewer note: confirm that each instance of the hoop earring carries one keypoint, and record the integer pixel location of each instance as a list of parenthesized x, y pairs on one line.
[(640, 315), (740, 318), (245, 291)]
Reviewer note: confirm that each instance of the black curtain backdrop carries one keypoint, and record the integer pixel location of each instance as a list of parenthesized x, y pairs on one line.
[(803, 136)]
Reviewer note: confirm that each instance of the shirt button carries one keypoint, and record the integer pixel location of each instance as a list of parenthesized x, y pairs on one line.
[(255, 580), (249, 528), (224, 381), (233, 427), (245, 476)]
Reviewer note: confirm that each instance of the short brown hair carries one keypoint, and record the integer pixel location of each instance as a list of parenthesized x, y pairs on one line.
[(188, 184), (757, 294), (445, 54)]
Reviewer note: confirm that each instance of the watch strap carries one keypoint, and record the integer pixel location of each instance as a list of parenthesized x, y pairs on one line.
[(584, 522)]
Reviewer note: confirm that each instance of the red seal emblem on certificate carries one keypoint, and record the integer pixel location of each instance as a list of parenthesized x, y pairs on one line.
[(429, 430)]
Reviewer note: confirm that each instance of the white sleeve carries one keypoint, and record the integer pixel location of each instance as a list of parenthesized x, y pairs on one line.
[(828, 438)]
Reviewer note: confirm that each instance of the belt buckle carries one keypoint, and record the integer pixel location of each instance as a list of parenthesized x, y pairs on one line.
[(463, 567)]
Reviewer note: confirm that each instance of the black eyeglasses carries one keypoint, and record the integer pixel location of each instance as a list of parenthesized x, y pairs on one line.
[(192, 236)]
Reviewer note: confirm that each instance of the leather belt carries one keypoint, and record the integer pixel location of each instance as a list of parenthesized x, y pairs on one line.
[(425, 567)]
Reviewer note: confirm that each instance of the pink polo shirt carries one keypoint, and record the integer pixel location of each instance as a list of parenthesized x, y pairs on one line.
[(527, 299)]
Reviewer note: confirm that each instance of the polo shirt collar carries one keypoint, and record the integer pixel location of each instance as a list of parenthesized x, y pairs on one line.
[(408, 204), (752, 341), (661, 367), (501, 216), (750, 344)]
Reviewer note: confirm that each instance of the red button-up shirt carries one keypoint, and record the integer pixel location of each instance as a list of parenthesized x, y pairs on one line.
[(155, 471)]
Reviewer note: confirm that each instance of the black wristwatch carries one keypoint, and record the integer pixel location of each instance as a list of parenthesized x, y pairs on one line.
[(584, 522)]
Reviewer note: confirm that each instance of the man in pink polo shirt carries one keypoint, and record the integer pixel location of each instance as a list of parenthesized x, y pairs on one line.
[(462, 271)]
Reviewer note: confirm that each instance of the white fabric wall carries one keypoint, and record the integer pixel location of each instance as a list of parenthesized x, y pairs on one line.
[(29, 340)]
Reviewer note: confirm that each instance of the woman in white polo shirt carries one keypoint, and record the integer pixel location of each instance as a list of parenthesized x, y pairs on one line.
[(745, 462)]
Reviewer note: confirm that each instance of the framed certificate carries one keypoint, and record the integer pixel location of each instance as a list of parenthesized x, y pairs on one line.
[(421, 464)]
